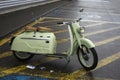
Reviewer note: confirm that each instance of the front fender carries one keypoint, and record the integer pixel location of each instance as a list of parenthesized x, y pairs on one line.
[(87, 42)]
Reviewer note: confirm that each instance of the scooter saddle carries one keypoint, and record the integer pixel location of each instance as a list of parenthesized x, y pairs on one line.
[(37, 29)]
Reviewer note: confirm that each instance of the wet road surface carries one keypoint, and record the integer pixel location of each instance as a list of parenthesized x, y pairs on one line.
[(102, 23)]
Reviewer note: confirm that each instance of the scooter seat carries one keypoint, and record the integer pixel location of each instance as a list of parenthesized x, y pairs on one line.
[(44, 29), (29, 28)]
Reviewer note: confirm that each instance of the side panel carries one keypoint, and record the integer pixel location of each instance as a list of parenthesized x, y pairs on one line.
[(42, 43)]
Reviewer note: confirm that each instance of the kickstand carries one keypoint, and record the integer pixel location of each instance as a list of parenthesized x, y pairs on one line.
[(66, 64)]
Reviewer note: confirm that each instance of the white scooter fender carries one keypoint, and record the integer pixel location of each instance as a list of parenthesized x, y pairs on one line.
[(87, 42)]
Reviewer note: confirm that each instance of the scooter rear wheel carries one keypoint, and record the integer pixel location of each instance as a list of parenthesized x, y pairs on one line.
[(87, 57), (22, 56)]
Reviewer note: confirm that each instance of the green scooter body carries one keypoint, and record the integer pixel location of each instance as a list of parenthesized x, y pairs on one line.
[(35, 42)]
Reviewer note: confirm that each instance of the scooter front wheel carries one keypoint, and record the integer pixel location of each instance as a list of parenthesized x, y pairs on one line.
[(87, 57), (22, 56)]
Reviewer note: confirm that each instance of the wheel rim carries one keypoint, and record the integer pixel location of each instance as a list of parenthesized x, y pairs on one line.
[(86, 57), (22, 55)]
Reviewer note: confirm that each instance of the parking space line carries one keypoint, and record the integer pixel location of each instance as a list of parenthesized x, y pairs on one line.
[(3, 41), (63, 40), (23, 67), (58, 18), (100, 21), (5, 54), (67, 39), (80, 72), (107, 41), (77, 73), (95, 78), (102, 63), (82, 20), (101, 31), (36, 21), (92, 25)]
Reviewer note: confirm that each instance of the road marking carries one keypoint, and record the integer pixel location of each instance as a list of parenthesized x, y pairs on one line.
[(92, 25), (88, 34), (91, 33), (102, 63), (93, 78), (36, 21), (60, 31), (58, 18), (81, 72), (63, 40), (9, 71), (5, 54), (23, 67), (107, 41), (82, 20), (3, 41), (101, 31), (100, 21)]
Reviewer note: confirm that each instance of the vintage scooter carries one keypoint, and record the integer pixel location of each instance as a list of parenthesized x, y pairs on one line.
[(37, 41)]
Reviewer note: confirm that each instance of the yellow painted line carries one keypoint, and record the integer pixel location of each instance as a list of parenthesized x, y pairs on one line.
[(62, 40), (36, 21), (98, 43), (5, 54), (67, 39), (102, 63), (108, 60), (92, 25), (5, 40), (93, 78), (54, 19), (50, 21), (60, 31), (91, 33), (107, 41), (82, 20), (80, 72), (9, 71), (23, 67), (45, 74), (100, 21), (101, 31), (58, 18)]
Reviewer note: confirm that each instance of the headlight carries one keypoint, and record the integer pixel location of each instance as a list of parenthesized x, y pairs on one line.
[(81, 30)]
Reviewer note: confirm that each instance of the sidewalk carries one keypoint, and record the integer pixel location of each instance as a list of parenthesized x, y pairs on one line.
[(7, 6)]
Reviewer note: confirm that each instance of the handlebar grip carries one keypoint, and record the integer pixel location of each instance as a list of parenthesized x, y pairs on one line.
[(59, 22), (79, 19)]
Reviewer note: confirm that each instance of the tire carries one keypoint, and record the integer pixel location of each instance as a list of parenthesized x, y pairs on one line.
[(84, 55), (22, 56)]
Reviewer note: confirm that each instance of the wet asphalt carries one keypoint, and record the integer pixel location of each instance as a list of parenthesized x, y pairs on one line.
[(98, 15)]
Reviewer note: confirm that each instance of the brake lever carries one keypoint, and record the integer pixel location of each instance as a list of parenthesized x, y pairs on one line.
[(79, 19)]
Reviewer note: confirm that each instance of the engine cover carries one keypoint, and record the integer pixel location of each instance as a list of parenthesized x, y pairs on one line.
[(35, 42)]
